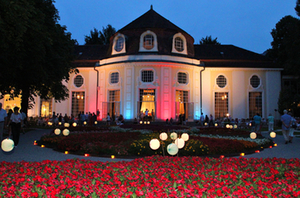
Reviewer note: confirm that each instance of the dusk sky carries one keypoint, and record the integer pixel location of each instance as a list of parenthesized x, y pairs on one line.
[(243, 23)]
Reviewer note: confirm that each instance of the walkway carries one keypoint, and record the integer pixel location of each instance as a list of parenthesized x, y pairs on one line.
[(27, 151)]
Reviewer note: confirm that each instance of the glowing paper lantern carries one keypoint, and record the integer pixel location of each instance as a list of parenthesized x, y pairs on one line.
[(59, 123), (74, 124), (141, 122), (227, 126), (275, 144), (145, 122), (66, 132), (154, 144), (148, 122), (50, 123), (7, 145), (216, 124), (66, 124), (230, 126), (96, 122), (185, 136), (253, 135), (112, 157), (84, 122), (242, 154), (57, 131), (179, 142), (173, 136), (172, 149), (235, 126), (205, 123), (272, 134), (66, 152), (163, 136)]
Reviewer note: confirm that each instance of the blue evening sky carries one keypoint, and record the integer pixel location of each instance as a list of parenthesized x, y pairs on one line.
[(243, 23)]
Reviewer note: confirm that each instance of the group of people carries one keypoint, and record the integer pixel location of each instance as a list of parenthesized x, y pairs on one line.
[(118, 119), (209, 120), (13, 121)]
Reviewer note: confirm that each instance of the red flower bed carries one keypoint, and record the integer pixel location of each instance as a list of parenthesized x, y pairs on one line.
[(152, 177)]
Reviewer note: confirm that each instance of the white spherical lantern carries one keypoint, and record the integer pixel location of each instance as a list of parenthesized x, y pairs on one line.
[(173, 136), (7, 145), (163, 136), (272, 134), (185, 136), (84, 123), (179, 142), (66, 124), (57, 131), (66, 132), (172, 149), (235, 126), (74, 124), (253, 135), (227, 126), (154, 144)]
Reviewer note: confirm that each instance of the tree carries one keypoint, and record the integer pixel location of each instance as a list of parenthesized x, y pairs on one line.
[(297, 8), (100, 37), (36, 52), (286, 45), (209, 40)]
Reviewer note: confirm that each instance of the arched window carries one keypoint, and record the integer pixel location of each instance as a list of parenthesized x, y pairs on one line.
[(221, 81), (78, 81)]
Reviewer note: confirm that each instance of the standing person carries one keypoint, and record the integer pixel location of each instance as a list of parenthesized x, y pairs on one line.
[(201, 119), (3, 119), (108, 119), (270, 122), (16, 124), (257, 122), (211, 120), (286, 123), (292, 127), (146, 114)]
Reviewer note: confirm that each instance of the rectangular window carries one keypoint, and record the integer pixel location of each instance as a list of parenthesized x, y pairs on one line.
[(181, 104), (114, 96), (147, 76), (45, 108), (255, 103), (78, 101), (182, 78), (221, 104), (114, 77)]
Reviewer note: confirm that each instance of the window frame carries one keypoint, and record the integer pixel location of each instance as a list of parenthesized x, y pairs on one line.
[(75, 81), (219, 81), (147, 70), (112, 77)]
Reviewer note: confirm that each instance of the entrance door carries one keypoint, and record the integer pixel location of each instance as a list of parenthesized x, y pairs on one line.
[(146, 103)]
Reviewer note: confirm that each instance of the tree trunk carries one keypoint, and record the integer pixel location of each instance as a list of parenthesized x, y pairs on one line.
[(25, 100)]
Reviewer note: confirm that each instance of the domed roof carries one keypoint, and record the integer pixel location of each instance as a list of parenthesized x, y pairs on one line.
[(161, 27)]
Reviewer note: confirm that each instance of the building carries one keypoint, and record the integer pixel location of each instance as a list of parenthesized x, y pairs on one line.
[(153, 64)]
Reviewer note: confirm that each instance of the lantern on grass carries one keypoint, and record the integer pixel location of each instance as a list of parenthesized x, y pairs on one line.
[(163, 136), (95, 122), (145, 122), (84, 123), (173, 136), (253, 135), (141, 122), (57, 131), (66, 132), (205, 123), (50, 123), (74, 124), (227, 126), (216, 124), (230, 126), (148, 122), (185, 136), (112, 157), (66, 124), (172, 149), (272, 134), (154, 144), (179, 142), (235, 126), (7, 145), (59, 123)]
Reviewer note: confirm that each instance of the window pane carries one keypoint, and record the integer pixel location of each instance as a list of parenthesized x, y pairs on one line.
[(78, 101), (255, 103), (147, 76), (114, 77), (221, 81), (182, 78), (148, 42), (119, 44), (179, 44), (221, 104), (78, 81), (114, 96), (255, 81)]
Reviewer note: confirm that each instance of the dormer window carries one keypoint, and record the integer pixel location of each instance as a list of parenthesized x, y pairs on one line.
[(119, 44), (148, 42), (179, 45)]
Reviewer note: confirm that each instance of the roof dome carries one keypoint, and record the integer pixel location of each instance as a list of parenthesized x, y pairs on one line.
[(161, 27)]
